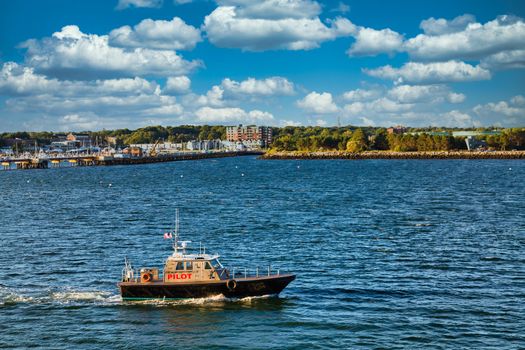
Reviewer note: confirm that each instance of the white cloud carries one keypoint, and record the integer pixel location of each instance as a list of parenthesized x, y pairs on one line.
[(505, 60), (87, 121), (372, 42), (123, 4), (225, 27), (454, 97), (503, 109), (361, 95), (320, 122), (424, 93), (518, 100), (436, 72), (318, 103), (285, 122), (416, 93), (355, 108), (386, 105), (73, 54), (177, 85), (456, 118), (341, 8), (264, 87), (16, 80), (168, 109), (476, 41), (163, 35), (222, 115), (442, 26), (182, 2), (19, 80), (214, 97), (274, 9)]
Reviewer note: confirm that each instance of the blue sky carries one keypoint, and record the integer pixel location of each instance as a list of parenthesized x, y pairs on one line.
[(89, 65)]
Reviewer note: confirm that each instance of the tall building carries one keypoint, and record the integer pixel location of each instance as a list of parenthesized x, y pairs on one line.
[(262, 134)]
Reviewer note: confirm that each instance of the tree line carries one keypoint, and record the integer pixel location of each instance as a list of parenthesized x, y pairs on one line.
[(354, 139), (150, 134), (292, 138)]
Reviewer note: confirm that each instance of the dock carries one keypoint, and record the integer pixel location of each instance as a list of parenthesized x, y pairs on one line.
[(14, 163)]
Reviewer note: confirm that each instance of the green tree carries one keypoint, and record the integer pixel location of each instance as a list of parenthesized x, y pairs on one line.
[(380, 140), (358, 142)]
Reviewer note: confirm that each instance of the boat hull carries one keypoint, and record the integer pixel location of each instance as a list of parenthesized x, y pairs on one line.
[(237, 288)]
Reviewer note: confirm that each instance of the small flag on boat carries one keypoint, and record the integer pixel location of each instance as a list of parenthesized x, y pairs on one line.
[(168, 235)]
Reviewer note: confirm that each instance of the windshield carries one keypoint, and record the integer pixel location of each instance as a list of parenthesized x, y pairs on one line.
[(216, 264)]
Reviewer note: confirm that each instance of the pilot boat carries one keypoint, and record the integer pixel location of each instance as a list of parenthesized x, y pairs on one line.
[(199, 275)]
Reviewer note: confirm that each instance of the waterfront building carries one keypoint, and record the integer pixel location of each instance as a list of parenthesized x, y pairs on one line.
[(262, 134), (66, 145), (475, 133), (204, 145), (398, 129), (82, 140), (473, 143)]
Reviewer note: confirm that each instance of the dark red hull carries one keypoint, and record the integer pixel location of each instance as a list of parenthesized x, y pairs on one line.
[(242, 287)]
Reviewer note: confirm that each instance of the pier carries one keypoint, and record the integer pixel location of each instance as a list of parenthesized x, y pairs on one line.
[(13, 163)]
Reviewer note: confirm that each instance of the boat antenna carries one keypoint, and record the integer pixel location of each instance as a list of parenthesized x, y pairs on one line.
[(176, 233)]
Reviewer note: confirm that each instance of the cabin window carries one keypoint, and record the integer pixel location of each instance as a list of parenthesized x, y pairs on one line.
[(179, 266), (208, 266), (189, 265)]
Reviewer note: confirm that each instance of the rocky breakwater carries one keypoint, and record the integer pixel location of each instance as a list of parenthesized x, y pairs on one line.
[(395, 155)]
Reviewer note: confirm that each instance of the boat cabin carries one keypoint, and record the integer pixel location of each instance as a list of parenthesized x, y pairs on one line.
[(181, 267), (193, 268)]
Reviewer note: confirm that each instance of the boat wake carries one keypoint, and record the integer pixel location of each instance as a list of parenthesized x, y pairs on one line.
[(11, 296), (212, 301), (68, 296), (84, 296)]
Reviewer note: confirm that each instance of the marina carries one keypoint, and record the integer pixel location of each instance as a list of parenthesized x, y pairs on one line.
[(24, 162)]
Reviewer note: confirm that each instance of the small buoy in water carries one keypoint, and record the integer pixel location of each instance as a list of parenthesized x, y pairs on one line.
[(298, 166), (110, 185), (182, 176), (28, 181), (242, 174), (510, 168)]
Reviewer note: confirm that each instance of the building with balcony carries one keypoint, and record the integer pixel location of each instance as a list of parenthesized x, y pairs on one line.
[(260, 134)]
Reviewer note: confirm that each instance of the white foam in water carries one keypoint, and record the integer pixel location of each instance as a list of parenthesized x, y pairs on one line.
[(9, 296), (189, 301), (213, 300), (80, 296)]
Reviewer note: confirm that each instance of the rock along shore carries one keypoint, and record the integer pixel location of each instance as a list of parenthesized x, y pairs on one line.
[(395, 155)]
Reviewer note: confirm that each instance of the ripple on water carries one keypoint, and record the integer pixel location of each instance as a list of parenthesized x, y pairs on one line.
[(389, 254)]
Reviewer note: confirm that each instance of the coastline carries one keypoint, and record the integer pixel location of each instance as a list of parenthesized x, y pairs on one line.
[(393, 155)]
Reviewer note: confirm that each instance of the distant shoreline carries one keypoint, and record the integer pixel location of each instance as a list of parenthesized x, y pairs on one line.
[(395, 155)]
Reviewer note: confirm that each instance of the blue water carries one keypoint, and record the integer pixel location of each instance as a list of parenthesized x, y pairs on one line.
[(389, 253)]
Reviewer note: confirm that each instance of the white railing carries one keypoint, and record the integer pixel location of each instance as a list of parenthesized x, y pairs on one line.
[(245, 272), (133, 275)]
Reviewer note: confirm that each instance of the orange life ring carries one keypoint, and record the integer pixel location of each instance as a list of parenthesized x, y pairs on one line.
[(146, 277)]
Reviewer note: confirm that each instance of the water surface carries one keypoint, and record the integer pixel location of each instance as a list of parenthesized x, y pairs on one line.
[(389, 253)]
